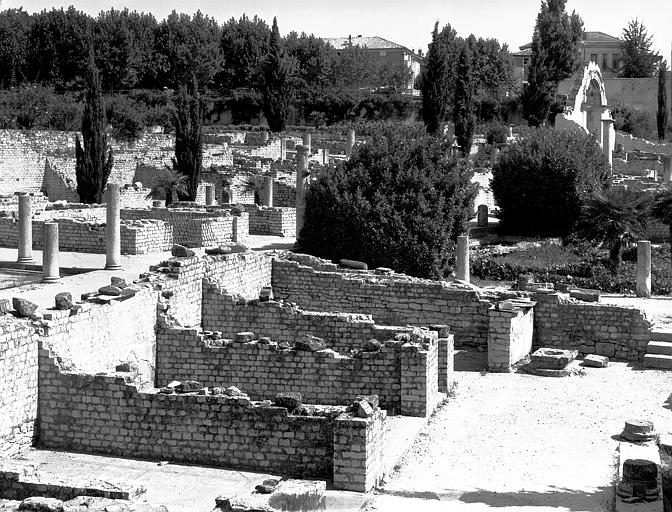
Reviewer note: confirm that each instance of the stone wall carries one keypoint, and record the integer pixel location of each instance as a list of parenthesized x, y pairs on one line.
[(18, 380), (271, 221), (326, 377), (10, 203), (509, 337), (284, 193), (390, 299), (590, 328)]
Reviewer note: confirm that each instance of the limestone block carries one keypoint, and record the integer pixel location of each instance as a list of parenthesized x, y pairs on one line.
[(595, 361), (605, 349)]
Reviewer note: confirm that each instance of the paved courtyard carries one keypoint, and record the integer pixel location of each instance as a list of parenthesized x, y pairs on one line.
[(521, 442)]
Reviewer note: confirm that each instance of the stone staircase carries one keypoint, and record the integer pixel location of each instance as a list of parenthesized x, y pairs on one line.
[(659, 351)]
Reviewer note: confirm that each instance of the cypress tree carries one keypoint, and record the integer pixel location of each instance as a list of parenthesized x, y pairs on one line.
[(463, 107), (94, 157), (434, 83), (188, 158), (661, 116), (275, 88)]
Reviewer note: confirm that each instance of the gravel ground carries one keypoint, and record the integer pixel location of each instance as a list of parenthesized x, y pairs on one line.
[(516, 440)]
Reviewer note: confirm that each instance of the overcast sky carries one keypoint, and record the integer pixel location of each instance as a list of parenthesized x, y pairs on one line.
[(408, 23)]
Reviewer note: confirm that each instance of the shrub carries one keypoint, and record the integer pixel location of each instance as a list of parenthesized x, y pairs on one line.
[(541, 181), (396, 203), (497, 134), (635, 122)]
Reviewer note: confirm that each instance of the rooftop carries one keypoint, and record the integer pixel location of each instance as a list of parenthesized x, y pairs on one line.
[(588, 37), (370, 42)]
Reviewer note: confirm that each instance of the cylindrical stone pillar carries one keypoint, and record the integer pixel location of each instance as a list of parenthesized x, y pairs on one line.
[(482, 216), (264, 137), (301, 173), (267, 199), (511, 132), (643, 268), (325, 156), (209, 194), (50, 267), (283, 149), (113, 228), (25, 228), (350, 142), (606, 139), (462, 258), (667, 169), (493, 155), (307, 141)]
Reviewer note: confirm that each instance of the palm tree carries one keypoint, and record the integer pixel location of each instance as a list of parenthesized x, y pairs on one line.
[(254, 184), (170, 185), (615, 217), (662, 209)]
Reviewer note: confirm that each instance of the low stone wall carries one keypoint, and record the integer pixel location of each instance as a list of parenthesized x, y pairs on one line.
[(590, 328), (324, 377), (271, 221), (390, 299), (509, 337), (10, 203), (105, 414)]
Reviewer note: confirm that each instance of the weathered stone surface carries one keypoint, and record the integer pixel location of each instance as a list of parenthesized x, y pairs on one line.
[(244, 337), (638, 430), (309, 343), (119, 282), (373, 400), (289, 401), (363, 409), (24, 307), (299, 495), (358, 265), (94, 504), (232, 391), (372, 346), (5, 306), (217, 250), (585, 295), (123, 367), (551, 358), (605, 349), (110, 290), (266, 294), (41, 504), (268, 486), (180, 251), (189, 386), (63, 300), (595, 361)]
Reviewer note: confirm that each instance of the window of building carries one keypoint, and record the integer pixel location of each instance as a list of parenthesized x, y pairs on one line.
[(616, 62), (383, 53), (605, 64), (593, 57), (526, 61)]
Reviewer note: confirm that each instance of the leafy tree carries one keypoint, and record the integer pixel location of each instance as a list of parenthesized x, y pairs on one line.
[(638, 61), (243, 45), (661, 115), (614, 217), (436, 78), (463, 107), (276, 84), (94, 158), (541, 181), (14, 29), (170, 185), (397, 202), (188, 158), (313, 61), (661, 209), (554, 58), (354, 68)]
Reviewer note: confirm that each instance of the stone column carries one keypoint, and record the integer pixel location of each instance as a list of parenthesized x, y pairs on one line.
[(50, 268), (267, 199), (482, 216), (667, 169), (325, 156), (306, 142), (25, 228), (209, 194), (113, 228), (606, 139), (510, 132), (350, 142), (462, 258), (493, 155), (301, 173), (283, 149), (643, 268), (264, 137)]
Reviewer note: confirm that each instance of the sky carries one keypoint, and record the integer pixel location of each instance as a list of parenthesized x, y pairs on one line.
[(405, 22)]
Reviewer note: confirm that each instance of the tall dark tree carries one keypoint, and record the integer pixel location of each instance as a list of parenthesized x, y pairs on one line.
[(435, 81), (638, 61), (14, 29), (276, 88), (243, 45), (188, 158), (94, 157), (554, 57), (463, 105), (661, 115)]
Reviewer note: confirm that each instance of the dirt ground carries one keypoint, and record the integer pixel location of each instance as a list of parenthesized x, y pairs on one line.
[(522, 442)]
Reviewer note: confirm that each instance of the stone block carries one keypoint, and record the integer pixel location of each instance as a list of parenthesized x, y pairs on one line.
[(111, 290), (372, 346), (595, 361), (585, 295), (309, 343), (288, 400), (5, 306), (180, 251), (24, 307), (63, 300), (41, 504), (605, 349), (552, 358)]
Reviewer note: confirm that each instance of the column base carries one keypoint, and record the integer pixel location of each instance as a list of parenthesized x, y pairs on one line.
[(111, 266), (26, 259), (51, 279)]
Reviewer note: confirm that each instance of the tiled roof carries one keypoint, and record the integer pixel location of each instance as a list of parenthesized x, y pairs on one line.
[(588, 37), (373, 43)]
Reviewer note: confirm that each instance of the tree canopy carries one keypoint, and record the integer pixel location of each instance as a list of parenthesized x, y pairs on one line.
[(638, 60)]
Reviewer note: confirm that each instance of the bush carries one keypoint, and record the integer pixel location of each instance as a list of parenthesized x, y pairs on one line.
[(397, 203), (497, 134), (541, 181), (635, 122)]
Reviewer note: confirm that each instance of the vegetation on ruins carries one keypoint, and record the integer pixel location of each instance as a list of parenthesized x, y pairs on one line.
[(639, 124), (398, 202), (436, 78), (463, 106), (638, 60), (615, 217), (554, 57), (661, 115), (169, 186), (188, 158), (275, 89), (254, 184), (93, 157), (542, 180), (661, 209)]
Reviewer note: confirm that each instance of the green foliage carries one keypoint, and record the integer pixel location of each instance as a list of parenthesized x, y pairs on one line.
[(170, 185), (397, 202), (188, 158), (554, 57), (463, 107), (496, 133), (94, 157), (661, 209), (313, 62), (637, 61), (243, 46), (661, 115), (254, 184), (127, 122), (14, 28), (541, 181), (437, 77), (276, 89), (639, 124), (615, 217)]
